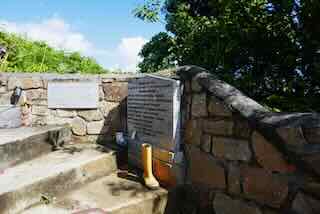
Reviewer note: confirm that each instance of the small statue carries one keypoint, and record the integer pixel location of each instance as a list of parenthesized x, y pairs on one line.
[(16, 96), (26, 117), (19, 97), (3, 52)]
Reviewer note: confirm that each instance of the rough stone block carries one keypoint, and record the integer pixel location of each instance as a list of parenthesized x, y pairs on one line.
[(25, 83), (108, 80), (39, 120), (40, 102), (90, 115), (234, 180), (267, 155), (3, 80), (204, 170), (313, 160), (3, 90), (217, 108), (115, 91), (224, 204), (109, 108), (40, 110), (94, 138), (269, 211), (292, 135), (45, 83), (66, 113), (52, 119), (206, 143), (95, 127), (79, 126), (88, 139), (218, 127), (192, 133), (312, 135), (186, 109), (199, 105), (304, 204), (36, 94), (5, 99), (264, 187), (195, 86), (184, 115), (101, 93), (187, 87), (231, 149), (241, 127)]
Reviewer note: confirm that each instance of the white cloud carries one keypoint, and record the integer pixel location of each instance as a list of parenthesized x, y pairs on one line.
[(128, 51), (59, 34), (55, 31)]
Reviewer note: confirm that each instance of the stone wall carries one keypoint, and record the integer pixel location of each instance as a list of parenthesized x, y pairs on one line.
[(87, 125), (243, 159)]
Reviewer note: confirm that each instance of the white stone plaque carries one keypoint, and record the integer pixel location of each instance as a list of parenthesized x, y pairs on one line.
[(153, 108), (71, 94)]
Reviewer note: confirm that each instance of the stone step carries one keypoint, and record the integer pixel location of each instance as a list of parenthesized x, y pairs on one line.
[(23, 144), (47, 176), (108, 195)]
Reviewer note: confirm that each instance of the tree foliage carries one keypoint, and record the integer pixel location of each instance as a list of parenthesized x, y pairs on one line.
[(24, 55), (149, 11), (267, 48), (158, 53)]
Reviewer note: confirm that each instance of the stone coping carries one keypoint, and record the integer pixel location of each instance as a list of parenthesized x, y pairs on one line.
[(19, 134), (297, 135), (50, 76), (247, 107)]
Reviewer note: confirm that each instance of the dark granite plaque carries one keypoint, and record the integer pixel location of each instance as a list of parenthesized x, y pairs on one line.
[(153, 106), (154, 115)]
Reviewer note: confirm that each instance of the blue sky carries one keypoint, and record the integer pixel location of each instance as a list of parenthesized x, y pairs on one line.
[(103, 29)]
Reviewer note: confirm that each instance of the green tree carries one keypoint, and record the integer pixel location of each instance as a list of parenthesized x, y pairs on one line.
[(158, 54), (24, 55), (267, 48)]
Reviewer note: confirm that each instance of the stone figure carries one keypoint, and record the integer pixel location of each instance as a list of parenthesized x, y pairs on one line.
[(19, 97), (3, 52), (26, 117)]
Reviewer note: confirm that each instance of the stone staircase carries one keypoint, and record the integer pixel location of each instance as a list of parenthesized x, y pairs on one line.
[(76, 179)]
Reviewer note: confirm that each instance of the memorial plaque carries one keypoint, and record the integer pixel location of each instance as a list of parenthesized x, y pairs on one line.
[(71, 94), (153, 111), (153, 106)]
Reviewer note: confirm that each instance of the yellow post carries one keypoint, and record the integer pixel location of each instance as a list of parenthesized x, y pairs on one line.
[(149, 179)]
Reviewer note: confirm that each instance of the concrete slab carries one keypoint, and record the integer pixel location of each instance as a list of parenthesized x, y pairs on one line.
[(10, 116), (19, 134), (112, 195), (52, 174), (22, 144)]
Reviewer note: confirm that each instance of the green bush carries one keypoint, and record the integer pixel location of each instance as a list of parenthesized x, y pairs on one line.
[(24, 55)]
